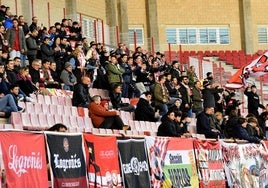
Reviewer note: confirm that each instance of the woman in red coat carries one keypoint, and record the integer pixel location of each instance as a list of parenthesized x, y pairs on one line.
[(101, 117)]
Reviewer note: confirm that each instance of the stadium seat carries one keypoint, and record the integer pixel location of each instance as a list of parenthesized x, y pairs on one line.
[(38, 108), (7, 126), (66, 120), (43, 120), (68, 101), (50, 120), (40, 99), (74, 111), (54, 100), (80, 111), (35, 122), (73, 121), (29, 107), (26, 122), (67, 110), (60, 109), (61, 100), (16, 120), (47, 99), (58, 118), (52, 108)]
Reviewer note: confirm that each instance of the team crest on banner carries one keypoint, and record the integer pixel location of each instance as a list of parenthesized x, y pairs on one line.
[(210, 164), (67, 160), (245, 165), (172, 162), (134, 163), (103, 166), (24, 159)]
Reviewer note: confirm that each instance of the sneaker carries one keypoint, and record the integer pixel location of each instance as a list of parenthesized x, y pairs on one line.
[(20, 109), (29, 99), (126, 127)]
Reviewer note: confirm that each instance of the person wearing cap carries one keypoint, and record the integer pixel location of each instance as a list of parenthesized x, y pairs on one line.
[(92, 48), (253, 100), (210, 78), (175, 70), (67, 77)]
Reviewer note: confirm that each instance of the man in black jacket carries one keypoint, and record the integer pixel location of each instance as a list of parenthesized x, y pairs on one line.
[(253, 100), (144, 111), (81, 95), (32, 46)]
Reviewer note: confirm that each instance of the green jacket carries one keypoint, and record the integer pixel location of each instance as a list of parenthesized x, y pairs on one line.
[(159, 95), (114, 73)]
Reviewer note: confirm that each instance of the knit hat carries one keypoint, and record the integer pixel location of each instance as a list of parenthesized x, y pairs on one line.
[(103, 102), (67, 64)]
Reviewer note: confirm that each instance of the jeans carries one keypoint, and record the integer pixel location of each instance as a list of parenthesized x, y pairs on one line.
[(7, 104)]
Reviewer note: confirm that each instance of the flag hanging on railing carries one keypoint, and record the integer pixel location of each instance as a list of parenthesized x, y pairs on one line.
[(172, 162), (103, 166), (245, 164), (24, 158), (67, 160), (210, 164), (134, 163)]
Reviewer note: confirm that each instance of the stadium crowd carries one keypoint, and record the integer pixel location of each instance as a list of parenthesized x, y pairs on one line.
[(34, 57)]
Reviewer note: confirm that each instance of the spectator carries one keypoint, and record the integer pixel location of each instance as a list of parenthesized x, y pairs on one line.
[(253, 100), (35, 74), (81, 95), (68, 78), (17, 64), (101, 118), (175, 70), (197, 98), (181, 122), (46, 77), (229, 127), (34, 24), (32, 46), (59, 127), (241, 132), (204, 126), (8, 19), (168, 126), (208, 94), (210, 78), (25, 82), (192, 76), (144, 111), (186, 94), (47, 51), (24, 25), (53, 72), (16, 40), (115, 72), (11, 74), (116, 99), (3, 41), (2, 13)]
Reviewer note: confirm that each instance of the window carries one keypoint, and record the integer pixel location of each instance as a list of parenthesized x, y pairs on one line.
[(139, 35), (207, 35), (171, 35), (88, 27), (262, 35)]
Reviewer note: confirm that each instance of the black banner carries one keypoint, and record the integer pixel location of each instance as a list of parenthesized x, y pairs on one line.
[(134, 163), (67, 160)]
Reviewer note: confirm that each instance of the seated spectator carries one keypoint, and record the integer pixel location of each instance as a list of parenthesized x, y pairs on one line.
[(59, 127), (68, 78), (101, 118), (81, 95), (229, 127), (25, 82), (53, 71), (11, 74), (35, 74), (181, 121), (116, 100), (255, 128), (14, 91), (144, 111), (176, 106), (168, 127), (242, 133), (8, 104), (46, 77), (204, 124)]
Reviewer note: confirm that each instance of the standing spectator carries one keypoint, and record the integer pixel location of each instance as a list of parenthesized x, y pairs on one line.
[(68, 78), (2, 13), (34, 24), (32, 46), (253, 100), (175, 70), (186, 94), (208, 94), (8, 19), (16, 40), (197, 98), (115, 72), (192, 76), (81, 95), (47, 51), (3, 41), (210, 78), (24, 25)]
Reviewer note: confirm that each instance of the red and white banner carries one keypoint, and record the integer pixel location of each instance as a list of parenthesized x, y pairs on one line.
[(245, 164), (172, 162), (24, 159), (103, 166), (210, 165)]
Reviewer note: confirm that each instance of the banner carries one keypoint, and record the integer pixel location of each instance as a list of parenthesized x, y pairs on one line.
[(24, 159), (103, 167), (245, 165), (67, 160), (134, 163), (172, 162), (210, 164)]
